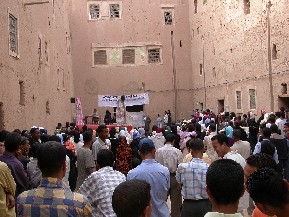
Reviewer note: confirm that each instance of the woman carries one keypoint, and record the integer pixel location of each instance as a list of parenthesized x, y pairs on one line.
[(123, 161)]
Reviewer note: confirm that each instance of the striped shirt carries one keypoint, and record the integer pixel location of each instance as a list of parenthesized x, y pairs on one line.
[(52, 198), (192, 177)]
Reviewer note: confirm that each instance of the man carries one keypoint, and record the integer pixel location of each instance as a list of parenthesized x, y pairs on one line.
[(7, 192), (132, 199), (221, 145), (253, 163), (269, 192), (85, 162), (52, 197), (225, 186), (35, 135), (3, 135), (242, 147), (208, 143), (286, 130), (102, 142), (10, 157), (280, 121), (99, 186), (265, 146), (155, 174), (171, 157), (160, 121), (192, 177), (282, 149)]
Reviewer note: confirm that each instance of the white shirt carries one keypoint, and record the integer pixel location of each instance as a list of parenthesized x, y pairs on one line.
[(169, 157), (243, 148), (244, 200), (98, 145), (217, 214)]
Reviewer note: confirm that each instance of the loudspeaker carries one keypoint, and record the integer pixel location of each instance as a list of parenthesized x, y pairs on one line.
[(72, 100)]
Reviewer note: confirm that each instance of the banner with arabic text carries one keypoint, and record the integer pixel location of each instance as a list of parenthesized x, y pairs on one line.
[(130, 100)]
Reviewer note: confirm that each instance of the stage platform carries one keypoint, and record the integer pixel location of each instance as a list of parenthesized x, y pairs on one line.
[(94, 127)]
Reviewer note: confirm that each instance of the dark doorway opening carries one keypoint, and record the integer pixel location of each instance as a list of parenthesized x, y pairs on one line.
[(221, 105), (135, 108), (283, 102)]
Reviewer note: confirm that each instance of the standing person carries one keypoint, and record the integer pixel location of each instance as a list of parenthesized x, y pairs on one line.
[(169, 118), (85, 162), (166, 119), (99, 186), (124, 156), (221, 145), (208, 143), (225, 186), (113, 141), (35, 135), (159, 122), (282, 149), (52, 198), (76, 140), (192, 177), (121, 111), (24, 157), (102, 142), (156, 175), (7, 192), (171, 157), (242, 147), (10, 157), (269, 191), (132, 199)]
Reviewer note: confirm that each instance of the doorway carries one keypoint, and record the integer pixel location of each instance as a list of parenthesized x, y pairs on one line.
[(221, 105), (283, 102)]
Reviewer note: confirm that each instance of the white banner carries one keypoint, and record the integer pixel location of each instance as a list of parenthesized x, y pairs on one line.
[(130, 100)]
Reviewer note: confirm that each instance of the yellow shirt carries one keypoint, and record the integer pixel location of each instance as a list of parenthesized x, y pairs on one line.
[(189, 157), (7, 185)]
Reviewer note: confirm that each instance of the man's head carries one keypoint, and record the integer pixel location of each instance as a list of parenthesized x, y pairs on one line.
[(51, 159), (274, 128), (220, 143), (286, 127), (170, 138), (196, 146), (212, 127), (35, 133), (12, 142), (102, 131), (225, 182), (269, 191), (105, 158), (266, 133), (132, 199), (237, 135), (87, 137), (258, 161), (146, 149)]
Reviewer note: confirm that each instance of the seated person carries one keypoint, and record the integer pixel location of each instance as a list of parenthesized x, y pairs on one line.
[(269, 192), (132, 199), (225, 187), (95, 117)]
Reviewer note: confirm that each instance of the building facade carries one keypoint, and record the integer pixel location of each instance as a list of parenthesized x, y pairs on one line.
[(130, 47), (239, 54), (35, 64)]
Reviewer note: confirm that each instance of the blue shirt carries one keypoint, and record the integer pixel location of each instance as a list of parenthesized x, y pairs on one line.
[(158, 177), (229, 132), (192, 177)]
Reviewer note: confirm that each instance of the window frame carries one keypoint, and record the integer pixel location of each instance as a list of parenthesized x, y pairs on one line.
[(122, 55), (88, 10), (160, 55), (120, 10), (93, 57), (12, 53)]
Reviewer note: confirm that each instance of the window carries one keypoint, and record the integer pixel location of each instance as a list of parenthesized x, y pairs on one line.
[(205, 2), (168, 15), (214, 72), (201, 69), (252, 95), (94, 11), (239, 99), (128, 56), (274, 52), (47, 107), (13, 35), (246, 7), (46, 51), (22, 93), (196, 6), (114, 10), (100, 57), (154, 55)]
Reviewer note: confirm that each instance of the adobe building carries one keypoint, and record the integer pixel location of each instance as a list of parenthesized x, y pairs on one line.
[(132, 47), (220, 54), (35, 64), (240, 54)]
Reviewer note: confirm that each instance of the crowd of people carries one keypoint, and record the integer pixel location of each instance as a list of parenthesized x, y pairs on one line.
[(213, 165)]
